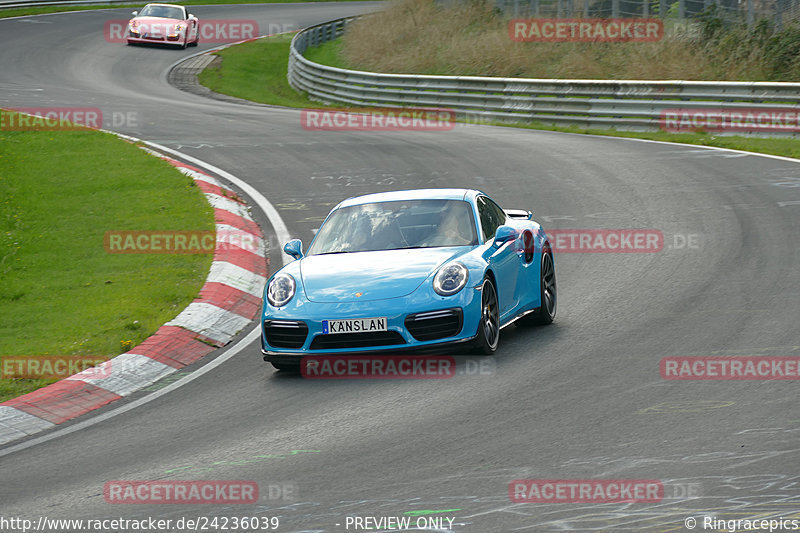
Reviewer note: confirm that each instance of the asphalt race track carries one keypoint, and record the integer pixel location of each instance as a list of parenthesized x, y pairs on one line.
[(581, 399)]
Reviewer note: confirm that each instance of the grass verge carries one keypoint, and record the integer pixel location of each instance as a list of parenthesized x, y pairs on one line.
[(238, 76), (61, 293), (472, 39), (255, 71)]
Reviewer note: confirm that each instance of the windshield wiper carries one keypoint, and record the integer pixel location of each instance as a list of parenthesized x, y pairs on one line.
[(338, 252)]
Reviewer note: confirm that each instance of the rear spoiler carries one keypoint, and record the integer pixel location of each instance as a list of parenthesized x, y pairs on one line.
[(519, 213)]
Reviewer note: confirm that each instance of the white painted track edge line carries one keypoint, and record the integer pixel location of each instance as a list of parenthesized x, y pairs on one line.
[(719, 148)]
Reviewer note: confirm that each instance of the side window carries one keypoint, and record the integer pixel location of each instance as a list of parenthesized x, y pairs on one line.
[(491, 216), (499, 213)]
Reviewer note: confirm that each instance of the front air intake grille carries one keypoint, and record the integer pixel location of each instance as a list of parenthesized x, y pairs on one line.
[(434, 325), (357, 340), (285, 333)]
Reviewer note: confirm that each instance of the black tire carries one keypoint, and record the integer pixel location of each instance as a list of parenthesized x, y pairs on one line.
[(489, 326), (547, 291)]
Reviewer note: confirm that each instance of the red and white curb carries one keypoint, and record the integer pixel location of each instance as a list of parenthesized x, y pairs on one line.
[(229, 300)]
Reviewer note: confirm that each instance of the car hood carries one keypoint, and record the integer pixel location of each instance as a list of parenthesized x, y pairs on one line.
[(379, 275), (156, 21)]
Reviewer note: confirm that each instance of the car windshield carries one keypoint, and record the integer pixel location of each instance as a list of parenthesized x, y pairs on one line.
[(167, 12), (396, 225)]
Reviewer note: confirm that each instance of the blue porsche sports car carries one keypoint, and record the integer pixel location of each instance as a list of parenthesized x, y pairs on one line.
[(409, 270)]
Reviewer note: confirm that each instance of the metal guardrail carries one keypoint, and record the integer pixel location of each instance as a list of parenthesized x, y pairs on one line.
[(625, 105)]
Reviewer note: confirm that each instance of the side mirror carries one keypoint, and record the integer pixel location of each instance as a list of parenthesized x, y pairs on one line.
[(504, 234), (134, 13), (294, 248), (189, 16)]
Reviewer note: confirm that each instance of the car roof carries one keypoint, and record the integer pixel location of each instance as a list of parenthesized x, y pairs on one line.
[(413, 194), (166, 5)]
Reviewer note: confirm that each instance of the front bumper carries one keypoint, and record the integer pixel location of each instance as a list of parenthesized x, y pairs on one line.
[(135, 37), (417, 322), (429, 349)]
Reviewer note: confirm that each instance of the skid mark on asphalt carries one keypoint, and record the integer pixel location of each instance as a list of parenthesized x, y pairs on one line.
[(698, 154), (193, 469), (760, 496), (728, 495), (687, 406)]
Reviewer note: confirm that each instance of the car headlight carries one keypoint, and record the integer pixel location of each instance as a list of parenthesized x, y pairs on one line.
[(280, 290), (450, 279)]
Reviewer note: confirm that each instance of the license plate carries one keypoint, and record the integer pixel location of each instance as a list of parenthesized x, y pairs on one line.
[(353, 325)]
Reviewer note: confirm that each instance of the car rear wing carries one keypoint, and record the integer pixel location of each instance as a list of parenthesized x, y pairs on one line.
[(519, 213)]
